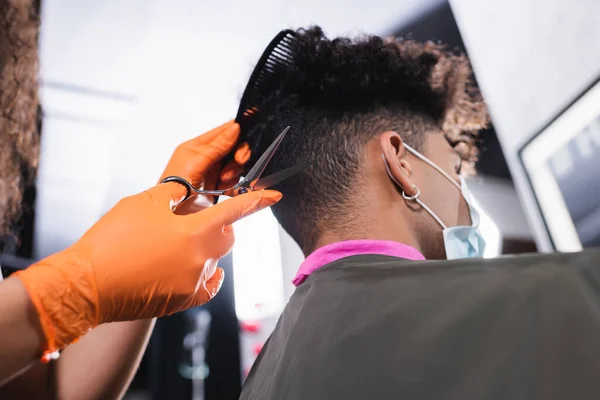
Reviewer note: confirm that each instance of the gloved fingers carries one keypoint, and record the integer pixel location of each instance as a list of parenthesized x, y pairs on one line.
[(194, 157), (209, 152), (242, 153), (211, 287), (231, 210), (230, 175), (212, 134), (211, 178), (194, 204), (206, 290), (166, 195)]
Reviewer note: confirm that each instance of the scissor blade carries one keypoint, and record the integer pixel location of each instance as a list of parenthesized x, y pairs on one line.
[(256, 171), (274, 179)]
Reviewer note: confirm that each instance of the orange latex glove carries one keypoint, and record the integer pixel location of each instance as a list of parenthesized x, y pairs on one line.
[(141, 259), (199, 160)]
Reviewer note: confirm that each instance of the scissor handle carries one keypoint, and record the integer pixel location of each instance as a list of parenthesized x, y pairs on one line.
[(246, 184), (190, 188), (181, 181)]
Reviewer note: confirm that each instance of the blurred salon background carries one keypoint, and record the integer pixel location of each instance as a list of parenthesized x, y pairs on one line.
[(123, 82)]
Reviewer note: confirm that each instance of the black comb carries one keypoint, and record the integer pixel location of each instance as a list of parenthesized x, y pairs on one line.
[(276, 58)]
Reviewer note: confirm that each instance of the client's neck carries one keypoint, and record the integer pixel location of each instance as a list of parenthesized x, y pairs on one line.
[(372, 224)]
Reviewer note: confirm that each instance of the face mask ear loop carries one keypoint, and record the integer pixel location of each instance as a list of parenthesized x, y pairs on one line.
[(416, 199), (432, 164)]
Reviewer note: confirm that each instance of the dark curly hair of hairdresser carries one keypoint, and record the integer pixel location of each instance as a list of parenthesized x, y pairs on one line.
[(338, 95)]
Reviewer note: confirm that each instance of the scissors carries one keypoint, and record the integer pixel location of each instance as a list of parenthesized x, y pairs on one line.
[(252, 181)]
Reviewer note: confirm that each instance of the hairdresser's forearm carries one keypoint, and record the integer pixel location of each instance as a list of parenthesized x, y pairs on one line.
[(102, 364), (99, 366), (21, 336)]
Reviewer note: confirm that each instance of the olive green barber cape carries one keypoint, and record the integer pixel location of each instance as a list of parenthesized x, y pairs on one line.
[(378, 327)]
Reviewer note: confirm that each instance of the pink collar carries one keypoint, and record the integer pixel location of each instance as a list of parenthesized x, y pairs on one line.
[(332, 252)]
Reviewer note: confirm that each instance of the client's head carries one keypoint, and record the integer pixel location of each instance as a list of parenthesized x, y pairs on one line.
[(353, 106)]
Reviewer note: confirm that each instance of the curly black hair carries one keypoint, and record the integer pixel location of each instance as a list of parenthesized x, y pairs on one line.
[(336, 96)]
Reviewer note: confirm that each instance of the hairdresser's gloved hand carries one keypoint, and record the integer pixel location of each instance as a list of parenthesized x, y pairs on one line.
[(140, 260), (199, 160)]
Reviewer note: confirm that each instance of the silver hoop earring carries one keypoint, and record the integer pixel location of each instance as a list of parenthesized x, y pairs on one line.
[(414, 197)]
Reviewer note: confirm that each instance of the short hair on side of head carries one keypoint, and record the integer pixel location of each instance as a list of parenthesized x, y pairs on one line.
[(339, 94)]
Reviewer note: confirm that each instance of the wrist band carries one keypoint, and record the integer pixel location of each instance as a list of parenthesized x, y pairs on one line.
[(49, 356)]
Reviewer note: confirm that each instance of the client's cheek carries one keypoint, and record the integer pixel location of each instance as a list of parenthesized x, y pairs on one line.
[(464, 214)]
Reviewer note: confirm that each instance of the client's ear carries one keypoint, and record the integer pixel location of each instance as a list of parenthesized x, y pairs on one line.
[(394, 153)]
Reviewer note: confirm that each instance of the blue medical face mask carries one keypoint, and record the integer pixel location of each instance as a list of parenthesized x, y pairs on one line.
[(459, 241)]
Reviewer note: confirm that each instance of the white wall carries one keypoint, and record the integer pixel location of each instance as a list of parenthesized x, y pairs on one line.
[(499, 200), (531, 59)]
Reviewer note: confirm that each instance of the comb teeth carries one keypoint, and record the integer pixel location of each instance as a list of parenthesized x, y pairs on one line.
[(276, 57)]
